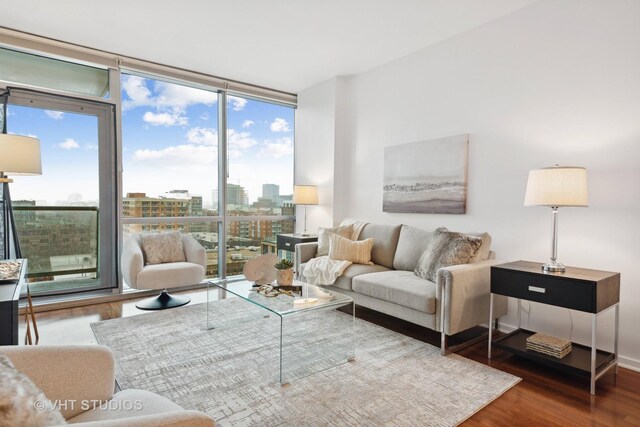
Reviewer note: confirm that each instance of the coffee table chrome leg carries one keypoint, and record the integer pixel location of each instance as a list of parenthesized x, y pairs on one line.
[(615, 337)]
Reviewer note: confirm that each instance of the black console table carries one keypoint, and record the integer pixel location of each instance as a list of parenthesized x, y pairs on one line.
[(590, 291), (288, 242), (9, 297)]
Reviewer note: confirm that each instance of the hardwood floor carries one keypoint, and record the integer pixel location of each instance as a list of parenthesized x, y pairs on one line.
[(543, 397)]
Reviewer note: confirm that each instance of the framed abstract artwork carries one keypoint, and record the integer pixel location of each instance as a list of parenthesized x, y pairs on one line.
[(426, 176)]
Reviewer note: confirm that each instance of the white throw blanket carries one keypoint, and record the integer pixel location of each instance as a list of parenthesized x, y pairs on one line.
[(324, 271)]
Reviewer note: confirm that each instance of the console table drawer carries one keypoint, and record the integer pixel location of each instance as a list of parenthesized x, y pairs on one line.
[(547, 289)]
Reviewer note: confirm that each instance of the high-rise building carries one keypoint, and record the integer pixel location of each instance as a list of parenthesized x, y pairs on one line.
[(271, 191), (236, 195)]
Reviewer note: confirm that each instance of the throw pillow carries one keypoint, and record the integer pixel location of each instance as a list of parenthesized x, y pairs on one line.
[(447, 248), (21, 402), (324, 233), (163, 247), (356, 251), (482, 253)]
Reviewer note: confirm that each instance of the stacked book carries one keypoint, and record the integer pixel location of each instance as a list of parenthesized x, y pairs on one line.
[(546, 344)]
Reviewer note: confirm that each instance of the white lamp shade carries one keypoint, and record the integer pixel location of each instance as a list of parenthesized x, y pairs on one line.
[(305, 195), (20, 155), (557, 186)]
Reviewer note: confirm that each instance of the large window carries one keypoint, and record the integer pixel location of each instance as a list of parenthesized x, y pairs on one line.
[(63, 230), (170, 159), (260, 178), (222, 173)]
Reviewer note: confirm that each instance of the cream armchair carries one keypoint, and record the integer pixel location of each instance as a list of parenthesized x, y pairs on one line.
[(74, 377), (137, 274)]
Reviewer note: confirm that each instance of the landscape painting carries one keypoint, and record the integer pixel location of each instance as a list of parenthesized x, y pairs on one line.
[(426, 176)]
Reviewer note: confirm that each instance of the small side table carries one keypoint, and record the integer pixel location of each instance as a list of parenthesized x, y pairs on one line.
[(590, 291), (288, 242)]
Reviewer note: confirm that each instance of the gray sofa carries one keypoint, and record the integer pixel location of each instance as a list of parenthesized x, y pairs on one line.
[(457, 301)]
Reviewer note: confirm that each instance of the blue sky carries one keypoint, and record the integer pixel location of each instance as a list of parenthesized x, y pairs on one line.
[(69, 152), (169, 142)]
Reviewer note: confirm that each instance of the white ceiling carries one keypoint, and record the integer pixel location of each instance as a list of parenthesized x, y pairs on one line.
[(288, 45)]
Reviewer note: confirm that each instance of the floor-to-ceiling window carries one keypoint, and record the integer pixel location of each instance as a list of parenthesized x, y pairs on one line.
[(170, 160), (259, 179)]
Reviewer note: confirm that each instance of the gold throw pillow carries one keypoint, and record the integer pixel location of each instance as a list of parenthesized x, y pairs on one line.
[(356, 251)]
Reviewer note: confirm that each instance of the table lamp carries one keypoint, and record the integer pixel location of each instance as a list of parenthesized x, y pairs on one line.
[(305, 195), (556, 186), (19, 155)]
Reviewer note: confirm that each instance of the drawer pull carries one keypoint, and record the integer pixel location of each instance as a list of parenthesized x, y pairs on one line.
[(537, 289), (287, 244)]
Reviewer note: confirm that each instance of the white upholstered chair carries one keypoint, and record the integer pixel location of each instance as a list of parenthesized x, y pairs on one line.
[(76, 375), (137, 273)]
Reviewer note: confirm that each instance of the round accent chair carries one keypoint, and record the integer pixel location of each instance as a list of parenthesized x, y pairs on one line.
[(162, 261)]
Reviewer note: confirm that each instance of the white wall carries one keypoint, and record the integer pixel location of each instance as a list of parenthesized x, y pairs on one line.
[(556, 82)]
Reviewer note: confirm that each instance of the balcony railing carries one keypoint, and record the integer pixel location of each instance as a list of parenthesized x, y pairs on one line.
[(58, 240)]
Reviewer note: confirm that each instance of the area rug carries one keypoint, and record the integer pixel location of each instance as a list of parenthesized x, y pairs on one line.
[(231, 372)]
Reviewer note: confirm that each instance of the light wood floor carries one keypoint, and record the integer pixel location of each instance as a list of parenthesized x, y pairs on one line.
[(543, 397)]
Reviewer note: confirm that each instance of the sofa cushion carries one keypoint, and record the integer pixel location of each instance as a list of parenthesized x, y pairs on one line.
[(160, 276), (126, 404), (159, 248), (385, 241), (412, 243), (324, 233), (400, 287), (447, 248), (345, 281)]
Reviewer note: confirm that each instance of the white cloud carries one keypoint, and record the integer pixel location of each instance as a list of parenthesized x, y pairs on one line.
[(248, 123), (179, 156), (165, 119), (240, 140), (165, 96), (56, 115), (278, 148), (69, 144), (207, 136), (204, 116), (238, 103), (137, 91), (179, 97), (280, 125)]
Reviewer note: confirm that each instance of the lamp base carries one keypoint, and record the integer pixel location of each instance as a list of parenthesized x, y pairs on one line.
[(553, 267)]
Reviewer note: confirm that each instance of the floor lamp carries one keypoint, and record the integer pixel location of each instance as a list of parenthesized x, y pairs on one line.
[(554, 187), (305, 195), (19, 155)]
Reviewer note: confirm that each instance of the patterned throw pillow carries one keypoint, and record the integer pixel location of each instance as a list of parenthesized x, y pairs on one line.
[(21, 402), (356, 251), (163, 247), (323, 237), (447, 248)]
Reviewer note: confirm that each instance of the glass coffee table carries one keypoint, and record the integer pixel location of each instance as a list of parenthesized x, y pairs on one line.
[(313, 334)]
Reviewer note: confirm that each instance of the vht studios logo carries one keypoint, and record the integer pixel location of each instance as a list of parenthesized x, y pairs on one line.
[(85, 405)]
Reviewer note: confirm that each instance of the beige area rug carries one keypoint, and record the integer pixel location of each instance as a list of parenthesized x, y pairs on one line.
[(231, 372)]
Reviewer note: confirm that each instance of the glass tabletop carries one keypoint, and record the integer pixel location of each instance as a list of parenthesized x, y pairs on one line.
[(305, 296)]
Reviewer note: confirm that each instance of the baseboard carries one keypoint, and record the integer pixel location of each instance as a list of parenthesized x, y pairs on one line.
[(623, 362)]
